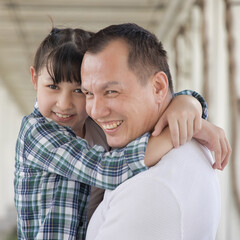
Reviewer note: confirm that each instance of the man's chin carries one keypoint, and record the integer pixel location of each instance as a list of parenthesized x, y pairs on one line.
[(115, 143)]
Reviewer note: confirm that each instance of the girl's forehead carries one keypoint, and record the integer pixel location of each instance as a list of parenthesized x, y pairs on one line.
[(43, 71), (44, 75)]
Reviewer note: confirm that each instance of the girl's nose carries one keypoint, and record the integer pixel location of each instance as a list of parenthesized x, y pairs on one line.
[(64, 101)]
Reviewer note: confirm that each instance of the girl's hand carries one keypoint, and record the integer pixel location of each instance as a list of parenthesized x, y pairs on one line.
[(215, 140), (183, 116)]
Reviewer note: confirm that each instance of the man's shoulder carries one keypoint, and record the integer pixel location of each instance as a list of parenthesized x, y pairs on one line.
[(190, 161), (180, 188), (180, 167), (191, 151), (184, 173)]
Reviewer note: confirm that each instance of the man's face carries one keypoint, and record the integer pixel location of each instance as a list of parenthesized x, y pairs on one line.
[(115, 99)]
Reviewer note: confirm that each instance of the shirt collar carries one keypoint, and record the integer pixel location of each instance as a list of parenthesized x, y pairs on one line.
[(36, 111)]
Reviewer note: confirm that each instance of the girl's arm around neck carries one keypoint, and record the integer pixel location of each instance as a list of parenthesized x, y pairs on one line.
[(157, 147)]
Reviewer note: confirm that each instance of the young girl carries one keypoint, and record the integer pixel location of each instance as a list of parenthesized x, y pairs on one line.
[(54, 165)]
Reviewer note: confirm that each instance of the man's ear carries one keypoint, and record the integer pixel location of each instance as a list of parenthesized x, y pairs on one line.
[(33, 77), (160, 86)]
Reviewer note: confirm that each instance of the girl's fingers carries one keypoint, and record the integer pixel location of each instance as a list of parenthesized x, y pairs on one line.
[(174, 130)]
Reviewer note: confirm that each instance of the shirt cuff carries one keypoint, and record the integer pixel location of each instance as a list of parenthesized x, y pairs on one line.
[(134, 154), (199, 98)]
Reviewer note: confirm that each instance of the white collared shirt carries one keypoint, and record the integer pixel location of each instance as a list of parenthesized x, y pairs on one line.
[(177, 199)]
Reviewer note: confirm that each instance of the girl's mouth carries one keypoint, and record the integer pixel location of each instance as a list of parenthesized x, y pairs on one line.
[(63, 115)]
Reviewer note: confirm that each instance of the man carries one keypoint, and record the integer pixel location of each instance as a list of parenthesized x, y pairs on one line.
[(126, 79)]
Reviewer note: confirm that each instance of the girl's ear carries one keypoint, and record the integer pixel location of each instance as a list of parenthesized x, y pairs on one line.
[(33, 77), (160, 86)]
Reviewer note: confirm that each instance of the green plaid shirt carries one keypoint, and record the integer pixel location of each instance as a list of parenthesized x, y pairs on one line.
[(54, 169)]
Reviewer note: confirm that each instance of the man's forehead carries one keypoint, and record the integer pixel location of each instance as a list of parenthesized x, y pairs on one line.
[(110, 49), (106, 68)]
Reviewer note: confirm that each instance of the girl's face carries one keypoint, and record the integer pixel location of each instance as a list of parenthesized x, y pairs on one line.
[(64, 103)]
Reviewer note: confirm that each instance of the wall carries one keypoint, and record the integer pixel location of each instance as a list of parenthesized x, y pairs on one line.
[(9, 127)]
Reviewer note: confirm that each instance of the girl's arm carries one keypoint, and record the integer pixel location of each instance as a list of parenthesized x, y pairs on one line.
[(158, 146), (185, 117), (45, 146)]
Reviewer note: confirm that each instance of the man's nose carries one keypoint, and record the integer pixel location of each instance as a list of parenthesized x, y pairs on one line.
[(64, 101), (99, 108)]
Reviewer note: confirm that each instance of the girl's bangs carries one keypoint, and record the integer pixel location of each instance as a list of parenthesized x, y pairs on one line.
[(64, 64)]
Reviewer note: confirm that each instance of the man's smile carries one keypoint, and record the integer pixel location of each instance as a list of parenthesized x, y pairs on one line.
[(111, 125)]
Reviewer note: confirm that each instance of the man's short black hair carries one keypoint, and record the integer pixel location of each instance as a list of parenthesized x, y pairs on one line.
[(146, 53)]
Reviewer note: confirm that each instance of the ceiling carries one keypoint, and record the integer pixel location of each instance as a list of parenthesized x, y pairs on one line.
[(24, 23)]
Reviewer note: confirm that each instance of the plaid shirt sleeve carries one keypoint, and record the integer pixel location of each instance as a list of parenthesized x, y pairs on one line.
[(199, 98), (55, 149)]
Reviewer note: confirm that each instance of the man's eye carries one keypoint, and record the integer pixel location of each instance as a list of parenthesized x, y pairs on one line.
[(52, 86), (111, 92), (88, 94)]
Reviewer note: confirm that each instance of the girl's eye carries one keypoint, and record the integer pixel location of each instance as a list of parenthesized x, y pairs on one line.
[(53, 86), (78, 91)]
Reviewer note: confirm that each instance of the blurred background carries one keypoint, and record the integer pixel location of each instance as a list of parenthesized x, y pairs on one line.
[(203, 46)]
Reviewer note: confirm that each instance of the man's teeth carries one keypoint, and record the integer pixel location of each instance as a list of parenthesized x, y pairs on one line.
[(112, 125), (62, 116)]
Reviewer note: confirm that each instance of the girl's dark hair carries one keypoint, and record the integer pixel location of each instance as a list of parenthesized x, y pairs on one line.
[(62, 53)]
